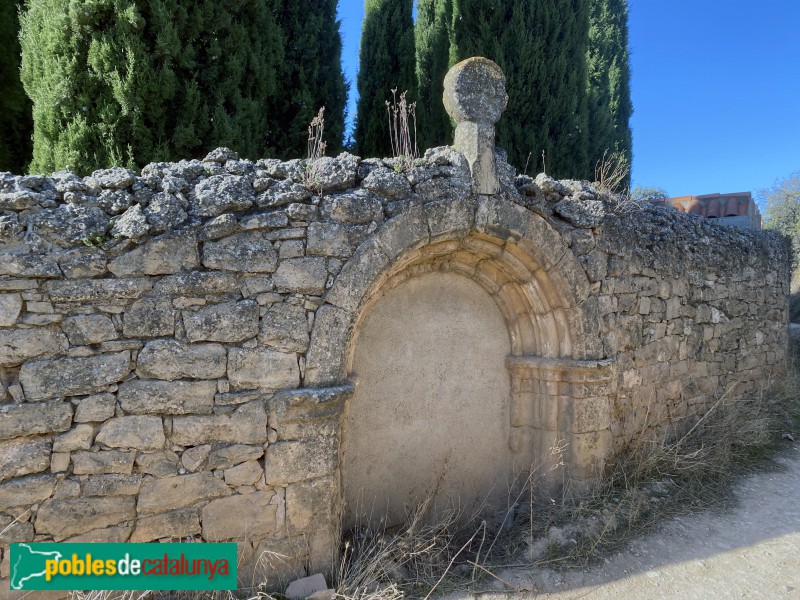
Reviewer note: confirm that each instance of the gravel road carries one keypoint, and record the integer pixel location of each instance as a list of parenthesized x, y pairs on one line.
[(749, 551)]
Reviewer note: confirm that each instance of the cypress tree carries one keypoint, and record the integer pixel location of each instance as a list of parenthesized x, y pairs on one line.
[(432, 33), (125, 82), (311, 75), (387, 61), (541, 46), (610, 106), (15, 107)]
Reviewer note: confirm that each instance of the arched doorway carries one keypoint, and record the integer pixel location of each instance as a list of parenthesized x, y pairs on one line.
[(430, 417)]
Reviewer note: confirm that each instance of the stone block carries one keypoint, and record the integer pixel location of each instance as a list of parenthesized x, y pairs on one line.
[(11, 532), (73, 376), (107, 535), (19, 345), (328, 345), (97, 291), (32, 418), (29, 265), (247, 252), (300, 589), (588, 452), (246, 425), (149, 317), (302, 276), (25, 491), (83, 262), (177, 525), (88, 329), (199, 283), (160, 464), (246, 473), (311, 505), (227, 322), (161, 256), (329, 239), (353, 208), (221, 194), (584, 415), (10, 307), (193, 459), (139, 432), (24, 456), (182, 491), (104, 461), (59, 462), (151, 397), (241, 516), (261, 369), (230, 456), (329, 174), (112, 485), (78, 438), (63, 518), (289, 462), (95, 408), (285, 328), (172, 359)]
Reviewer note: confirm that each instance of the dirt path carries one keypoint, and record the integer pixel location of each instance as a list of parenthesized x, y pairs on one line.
[(750, 551)]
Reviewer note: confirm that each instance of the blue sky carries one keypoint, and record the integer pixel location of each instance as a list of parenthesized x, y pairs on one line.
[(715, 88)]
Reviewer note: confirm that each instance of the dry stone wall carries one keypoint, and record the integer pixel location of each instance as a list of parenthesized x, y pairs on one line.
[(174, 343)]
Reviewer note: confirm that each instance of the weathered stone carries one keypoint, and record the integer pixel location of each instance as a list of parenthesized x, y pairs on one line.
[(19, 345), (182, 491), (250, 515), (166, 211), (20, 200), (227, 322), (230, 456), (150, 397), (107, 535), (257, 368), (104, 461), (24, 456), (149, 317), (32, 418), (219, 227), (193, 459), (97, 290), (79, 438), (62, 518), (200, 283), (289, 462), (356, 207), (10, 307), (301, 276), (132, 224), (162, 256), (581, 213), (178, 525), (114, 178), (220, 194), (70, 224), (328, 174), (386, 182), (310, 505), (285, 328), (283, 193), (26, 491), (83, 262), (246, 425), (221, 155), (248, 252), (291, 249), (274, 219), (329, 239), (160, 464), (172, 359), (246, 473), (11, 532), (112, 485), (301, 589), (88, 329), (302, 212), (73, 376), (140, 432), (95, 408), (475, 97)]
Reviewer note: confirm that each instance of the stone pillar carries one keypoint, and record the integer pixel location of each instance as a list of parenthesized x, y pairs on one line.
[(475, 97)]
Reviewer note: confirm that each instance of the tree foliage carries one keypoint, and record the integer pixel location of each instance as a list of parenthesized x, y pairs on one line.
[(310, 75), (432, 33), (781, 202), (387, 62), (15, 108), (124, 82), (640, 193), (610, 106)]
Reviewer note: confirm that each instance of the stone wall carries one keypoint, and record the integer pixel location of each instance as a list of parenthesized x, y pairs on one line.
[(176, 345)]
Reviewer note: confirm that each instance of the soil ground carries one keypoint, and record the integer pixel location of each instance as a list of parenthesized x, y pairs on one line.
[(749, 551)]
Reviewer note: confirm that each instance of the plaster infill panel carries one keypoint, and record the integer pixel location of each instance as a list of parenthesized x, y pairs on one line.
[(430, 415)]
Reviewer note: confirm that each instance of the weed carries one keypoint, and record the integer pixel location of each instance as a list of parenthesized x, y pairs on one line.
[(611, 172), (402, 128)]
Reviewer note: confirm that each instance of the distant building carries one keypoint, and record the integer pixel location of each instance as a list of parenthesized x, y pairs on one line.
[(738, 210)]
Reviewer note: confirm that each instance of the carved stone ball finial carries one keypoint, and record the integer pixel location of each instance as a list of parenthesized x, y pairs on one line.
[(475, 96)]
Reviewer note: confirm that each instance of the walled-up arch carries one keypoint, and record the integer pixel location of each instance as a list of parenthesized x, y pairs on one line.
[(559, 395)]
